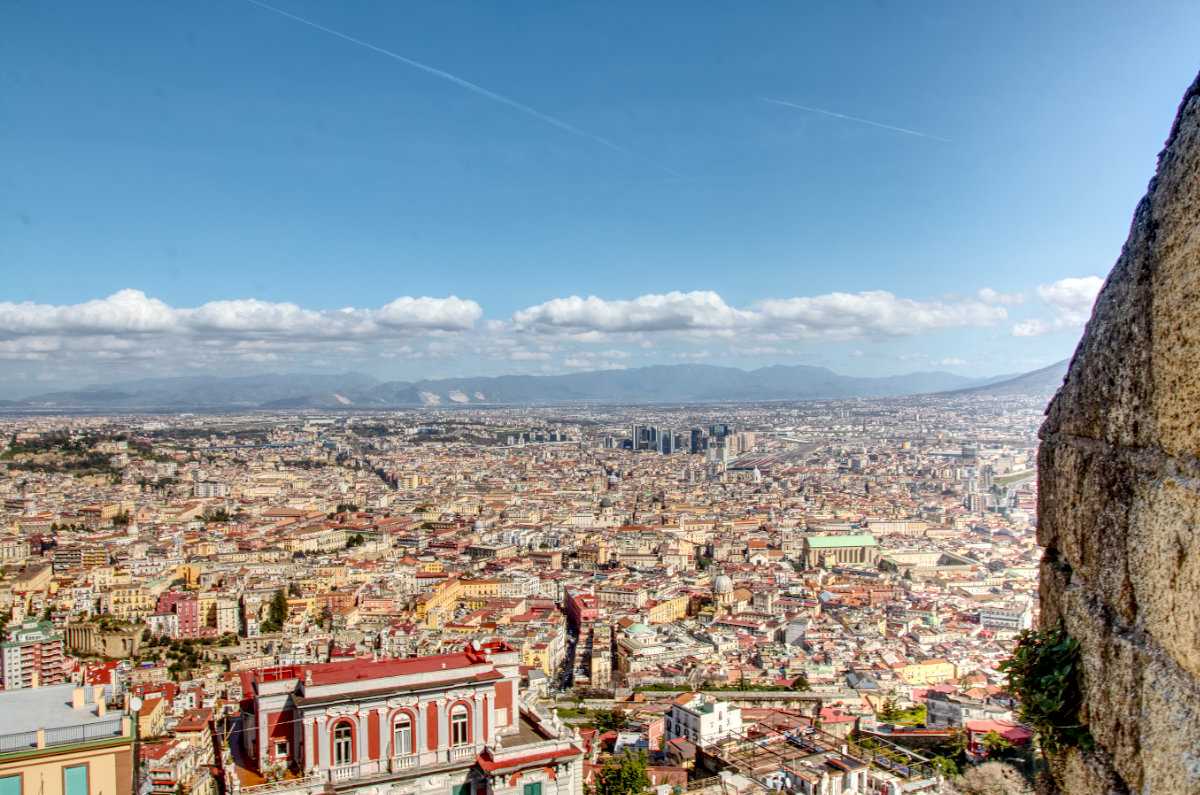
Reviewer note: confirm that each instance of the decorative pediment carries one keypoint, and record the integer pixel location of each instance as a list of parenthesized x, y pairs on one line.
[(402, 701)]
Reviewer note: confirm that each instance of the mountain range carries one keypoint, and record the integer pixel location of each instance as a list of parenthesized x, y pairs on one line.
[(684, 383), (1045, 381)]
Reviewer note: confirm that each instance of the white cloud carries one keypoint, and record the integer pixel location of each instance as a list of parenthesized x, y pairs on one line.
[(128, 330), (126, 311), (1071, 301), (433, 314), (761, 350), (872, 315), (523, 355), (990, 296), (674, 311), (130, 333), (950, 363), (132, 313), (703, 315), (591, 362), (701, 354)]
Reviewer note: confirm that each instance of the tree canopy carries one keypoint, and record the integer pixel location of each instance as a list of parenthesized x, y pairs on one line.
[(623, 775)]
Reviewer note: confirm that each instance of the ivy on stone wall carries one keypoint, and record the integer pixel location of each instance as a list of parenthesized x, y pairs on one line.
[(1044, 674)]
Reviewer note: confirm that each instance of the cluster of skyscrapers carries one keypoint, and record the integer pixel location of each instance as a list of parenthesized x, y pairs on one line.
[(666, 441)]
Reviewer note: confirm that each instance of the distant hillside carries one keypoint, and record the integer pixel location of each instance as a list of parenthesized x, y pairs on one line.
[(685, 383), (1045, 381), (200, 391), (657, 383)]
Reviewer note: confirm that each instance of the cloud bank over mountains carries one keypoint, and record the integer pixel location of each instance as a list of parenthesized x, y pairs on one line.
[(133, 330)]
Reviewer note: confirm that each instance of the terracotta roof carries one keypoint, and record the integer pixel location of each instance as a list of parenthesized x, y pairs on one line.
[(529, 759)]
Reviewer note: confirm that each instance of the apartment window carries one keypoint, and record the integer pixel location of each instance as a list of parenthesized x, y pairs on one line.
[(10, 785), (402, 735), (459, 735), (532, 789), (281, 748), (75, 780), (343, 743)]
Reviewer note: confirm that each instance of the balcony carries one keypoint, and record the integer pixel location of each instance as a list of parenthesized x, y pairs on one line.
[(404, 762), (284, 785), (94, 731), (463, 753), (344, 772)]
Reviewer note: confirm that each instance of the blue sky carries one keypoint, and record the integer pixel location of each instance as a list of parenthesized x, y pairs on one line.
[(874, 187)]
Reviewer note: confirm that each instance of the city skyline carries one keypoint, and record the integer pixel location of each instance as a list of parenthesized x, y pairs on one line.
[(425, 192)]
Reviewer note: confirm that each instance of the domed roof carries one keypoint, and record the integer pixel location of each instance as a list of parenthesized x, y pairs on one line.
[(723, 583), (605, 502)]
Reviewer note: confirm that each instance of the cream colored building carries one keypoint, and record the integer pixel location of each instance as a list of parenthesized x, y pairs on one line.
[(62, 740)]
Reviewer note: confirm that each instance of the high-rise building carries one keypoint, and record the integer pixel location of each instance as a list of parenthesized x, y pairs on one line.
[(32, 656)]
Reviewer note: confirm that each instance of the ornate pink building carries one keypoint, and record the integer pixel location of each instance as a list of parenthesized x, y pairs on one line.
[(450, 724)]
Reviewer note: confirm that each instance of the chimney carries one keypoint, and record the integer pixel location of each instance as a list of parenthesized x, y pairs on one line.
[(98, 697), (78, 698)]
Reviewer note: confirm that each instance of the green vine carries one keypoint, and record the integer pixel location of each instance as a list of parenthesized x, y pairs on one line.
[(1044, 674)]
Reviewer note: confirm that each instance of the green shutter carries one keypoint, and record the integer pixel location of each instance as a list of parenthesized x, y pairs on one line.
[(10, 785), (462, 789), (533, 789), (75, 780)]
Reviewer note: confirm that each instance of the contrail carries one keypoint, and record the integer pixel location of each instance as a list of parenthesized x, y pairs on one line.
[(483, 92), (849, 118)]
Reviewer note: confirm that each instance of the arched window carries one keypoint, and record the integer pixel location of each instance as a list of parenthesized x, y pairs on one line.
[(402, 735), (343, 743), (459, 717)]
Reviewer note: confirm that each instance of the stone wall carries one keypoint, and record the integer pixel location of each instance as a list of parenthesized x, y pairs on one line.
[(1119, 508)]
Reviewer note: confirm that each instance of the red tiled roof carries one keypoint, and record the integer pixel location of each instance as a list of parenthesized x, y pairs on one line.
[(505, 764), (362, 668)]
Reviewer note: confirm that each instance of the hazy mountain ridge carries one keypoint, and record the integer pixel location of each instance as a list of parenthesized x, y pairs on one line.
[(1044, 381), (656, 383)]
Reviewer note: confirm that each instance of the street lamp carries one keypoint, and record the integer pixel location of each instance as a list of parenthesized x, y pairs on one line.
[(135, 705)]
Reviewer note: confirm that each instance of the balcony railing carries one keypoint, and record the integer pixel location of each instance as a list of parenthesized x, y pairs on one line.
[(63, 735), (344, 772), (88, 732), (404, 762), (17, 742), (462, 753), (281, 786)]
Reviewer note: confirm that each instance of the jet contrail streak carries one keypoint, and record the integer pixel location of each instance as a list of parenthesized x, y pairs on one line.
[(480, 90), (849, 118)]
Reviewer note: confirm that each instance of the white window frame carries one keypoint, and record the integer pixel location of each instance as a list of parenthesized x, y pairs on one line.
[(343, 744), (402, 735), (460, 728)]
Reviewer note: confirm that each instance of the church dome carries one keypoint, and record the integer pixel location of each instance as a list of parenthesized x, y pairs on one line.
[(723, 583)]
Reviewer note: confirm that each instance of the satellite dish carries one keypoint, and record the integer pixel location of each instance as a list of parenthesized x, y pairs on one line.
[(135, 703)]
